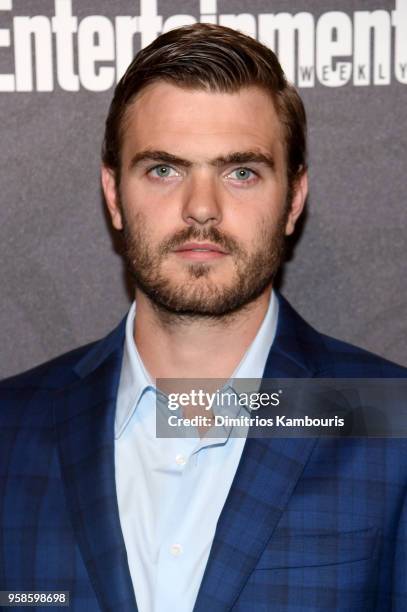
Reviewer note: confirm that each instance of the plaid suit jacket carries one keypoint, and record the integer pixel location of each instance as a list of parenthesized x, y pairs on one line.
[(308, 525)]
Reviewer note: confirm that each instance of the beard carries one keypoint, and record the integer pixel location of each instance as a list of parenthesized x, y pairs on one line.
[(198, 294)]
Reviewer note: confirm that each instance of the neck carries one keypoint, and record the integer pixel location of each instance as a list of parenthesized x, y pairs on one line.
[(173, 346)]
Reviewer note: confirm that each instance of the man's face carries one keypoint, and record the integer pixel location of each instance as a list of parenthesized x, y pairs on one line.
[(202, 197)]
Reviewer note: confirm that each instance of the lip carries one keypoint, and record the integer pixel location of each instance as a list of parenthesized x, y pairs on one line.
[(200, 250), (207, 246)]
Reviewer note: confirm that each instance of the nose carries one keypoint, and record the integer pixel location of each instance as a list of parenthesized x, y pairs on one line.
[(201, 202)]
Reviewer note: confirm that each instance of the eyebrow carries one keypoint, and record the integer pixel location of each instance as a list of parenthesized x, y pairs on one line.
[(236, 157)]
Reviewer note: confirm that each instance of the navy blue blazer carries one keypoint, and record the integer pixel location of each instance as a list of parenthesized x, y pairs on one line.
[(309, 524)]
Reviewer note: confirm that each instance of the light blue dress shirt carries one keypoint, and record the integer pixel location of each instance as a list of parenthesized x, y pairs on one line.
[(171, 491)]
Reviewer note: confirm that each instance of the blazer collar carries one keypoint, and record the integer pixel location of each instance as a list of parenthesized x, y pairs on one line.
[(102, 350), (298, 351)]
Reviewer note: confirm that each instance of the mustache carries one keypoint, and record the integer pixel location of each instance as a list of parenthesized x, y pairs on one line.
[(208, 234)]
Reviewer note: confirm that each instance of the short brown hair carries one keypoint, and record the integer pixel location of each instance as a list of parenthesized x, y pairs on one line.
[(215, 58)]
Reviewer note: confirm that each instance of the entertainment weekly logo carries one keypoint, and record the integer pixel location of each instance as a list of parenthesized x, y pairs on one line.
[(46, 52)]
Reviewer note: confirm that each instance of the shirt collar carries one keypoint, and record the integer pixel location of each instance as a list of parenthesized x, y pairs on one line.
[(254, 360), (135, 380)]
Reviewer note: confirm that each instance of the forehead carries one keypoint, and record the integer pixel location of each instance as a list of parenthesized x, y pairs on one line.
[(200, 123)]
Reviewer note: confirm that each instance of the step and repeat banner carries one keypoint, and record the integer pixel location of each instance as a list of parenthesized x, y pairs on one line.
[(62, 282)]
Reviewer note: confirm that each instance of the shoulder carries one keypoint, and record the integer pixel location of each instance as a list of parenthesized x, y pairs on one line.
[(65, 369), (348, 360), (326, 356), (27, 399), (34, 389), (52, 374)]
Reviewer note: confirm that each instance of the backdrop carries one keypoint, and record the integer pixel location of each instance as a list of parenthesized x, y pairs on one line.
[(62, 283)]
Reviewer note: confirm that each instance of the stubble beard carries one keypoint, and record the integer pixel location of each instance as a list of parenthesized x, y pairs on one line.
[(199, 295)]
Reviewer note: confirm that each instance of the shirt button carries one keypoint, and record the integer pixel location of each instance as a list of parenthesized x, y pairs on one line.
[(180, 460), (176, 550)]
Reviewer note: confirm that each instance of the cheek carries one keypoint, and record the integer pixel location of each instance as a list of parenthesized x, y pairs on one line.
[(246, 220), (140, 197), (147, 223)]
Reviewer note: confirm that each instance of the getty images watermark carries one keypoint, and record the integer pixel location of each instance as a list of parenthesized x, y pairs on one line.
[(223, 400), (281, 408)]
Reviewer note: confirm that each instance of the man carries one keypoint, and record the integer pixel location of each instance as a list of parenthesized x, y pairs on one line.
[(204, 173)]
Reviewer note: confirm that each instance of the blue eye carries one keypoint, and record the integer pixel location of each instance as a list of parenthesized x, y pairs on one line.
[(163, 171), (242, 174)]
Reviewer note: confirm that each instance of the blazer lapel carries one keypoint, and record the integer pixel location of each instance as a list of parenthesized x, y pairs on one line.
[(84, 419), (268, 471)]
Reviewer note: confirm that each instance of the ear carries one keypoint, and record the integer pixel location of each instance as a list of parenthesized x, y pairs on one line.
[(110, 191), (298, 201)]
